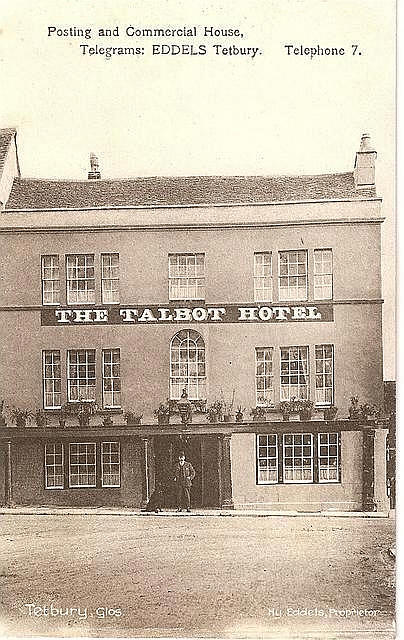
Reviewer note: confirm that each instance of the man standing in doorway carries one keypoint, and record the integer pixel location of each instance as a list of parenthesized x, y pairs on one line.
[(184, 474)]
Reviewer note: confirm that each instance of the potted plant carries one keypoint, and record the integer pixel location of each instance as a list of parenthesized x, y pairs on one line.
[(305, 409), (63, 413), (258, 414), (199, 406), (330, 412), (84, 411), (240, 413), (287, 407), (353, 409), (107, 421), (368, 411), (40, 418), (163, 413), (21, 416), (215, 411), (227, 412), (3, 422), (132, 418)]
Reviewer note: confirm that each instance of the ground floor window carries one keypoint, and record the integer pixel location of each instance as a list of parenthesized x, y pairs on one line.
[(54, 472), (75, 465), (298, 458), (110, 464)]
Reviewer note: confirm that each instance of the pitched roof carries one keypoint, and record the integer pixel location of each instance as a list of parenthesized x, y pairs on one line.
[(6, 135), (171, 191)]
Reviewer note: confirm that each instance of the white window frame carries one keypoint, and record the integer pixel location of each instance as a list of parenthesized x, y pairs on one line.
[(269, 448), (50, 276), (111, 376), (106, 460), (323, 278), (291, 292), (85, 364), (53, 368), (320, 363), (50, 452), (85, 464), (286, 392), (79, 273), (110, 278), (186, 275), (301, 457), (187, 336), (325, 455), (265, 363), (263, 284)]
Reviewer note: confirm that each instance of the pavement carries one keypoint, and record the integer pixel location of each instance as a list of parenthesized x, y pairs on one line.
[(251, 513), (186, 577)]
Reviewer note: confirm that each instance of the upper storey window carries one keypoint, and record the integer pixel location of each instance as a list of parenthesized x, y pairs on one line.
[(263, 277), (186, 276), (293, 275), (323, 274), (110, 278), (80, 279), (50, 280)]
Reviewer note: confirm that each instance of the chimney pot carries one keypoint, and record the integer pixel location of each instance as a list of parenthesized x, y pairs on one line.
[(365, 164), (94, 173)]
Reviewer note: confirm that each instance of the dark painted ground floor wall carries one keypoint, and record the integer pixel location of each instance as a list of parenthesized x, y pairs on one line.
[(28, 475)]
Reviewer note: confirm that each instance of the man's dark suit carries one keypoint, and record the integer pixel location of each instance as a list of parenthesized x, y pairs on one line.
[(184, 474)]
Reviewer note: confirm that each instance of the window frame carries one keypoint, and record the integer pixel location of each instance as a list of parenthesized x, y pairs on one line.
[(77, 365), (316, 275), (111, 377), (53, 267), (201, 381), (187, 277), (260, 278), (265, 375), (337, 444), (315, 457), (77, 279), (258, 457), (53, 466), (290, 374), (82, 486), (323, 374), (290, 275), (102, 454), (104, 279), (53, 379), (297, 457)]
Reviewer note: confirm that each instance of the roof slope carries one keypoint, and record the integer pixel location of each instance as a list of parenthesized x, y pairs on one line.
[(6, 135), (171, 191)]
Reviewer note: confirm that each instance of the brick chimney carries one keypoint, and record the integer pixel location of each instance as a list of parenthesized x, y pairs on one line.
[(365, 161), (94, 173)]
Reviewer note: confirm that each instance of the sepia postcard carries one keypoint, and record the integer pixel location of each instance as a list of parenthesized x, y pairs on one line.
[(197, 319)]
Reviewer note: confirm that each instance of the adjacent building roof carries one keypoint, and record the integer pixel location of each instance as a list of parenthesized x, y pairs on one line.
[(6, 136), (171, 191)]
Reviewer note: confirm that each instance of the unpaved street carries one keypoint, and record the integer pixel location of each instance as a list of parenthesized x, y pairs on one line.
[(106, 575)]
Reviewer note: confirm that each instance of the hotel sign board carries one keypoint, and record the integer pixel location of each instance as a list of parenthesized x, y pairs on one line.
[(170, 314)]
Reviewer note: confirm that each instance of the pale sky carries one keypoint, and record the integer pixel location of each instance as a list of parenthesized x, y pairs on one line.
[(212, 114)]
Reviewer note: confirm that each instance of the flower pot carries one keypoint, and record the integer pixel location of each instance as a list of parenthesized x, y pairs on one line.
[(227, 417), (107, 422), (21, 422), (133, 421), (305, 415), (286, 417), (163, 419), (239, 417), (330, 413), (62, 422)]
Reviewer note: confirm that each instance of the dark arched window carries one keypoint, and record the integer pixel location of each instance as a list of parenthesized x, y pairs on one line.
[(187, 365)]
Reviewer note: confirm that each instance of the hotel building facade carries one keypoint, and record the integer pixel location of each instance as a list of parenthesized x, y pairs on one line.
[(243, 291)]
